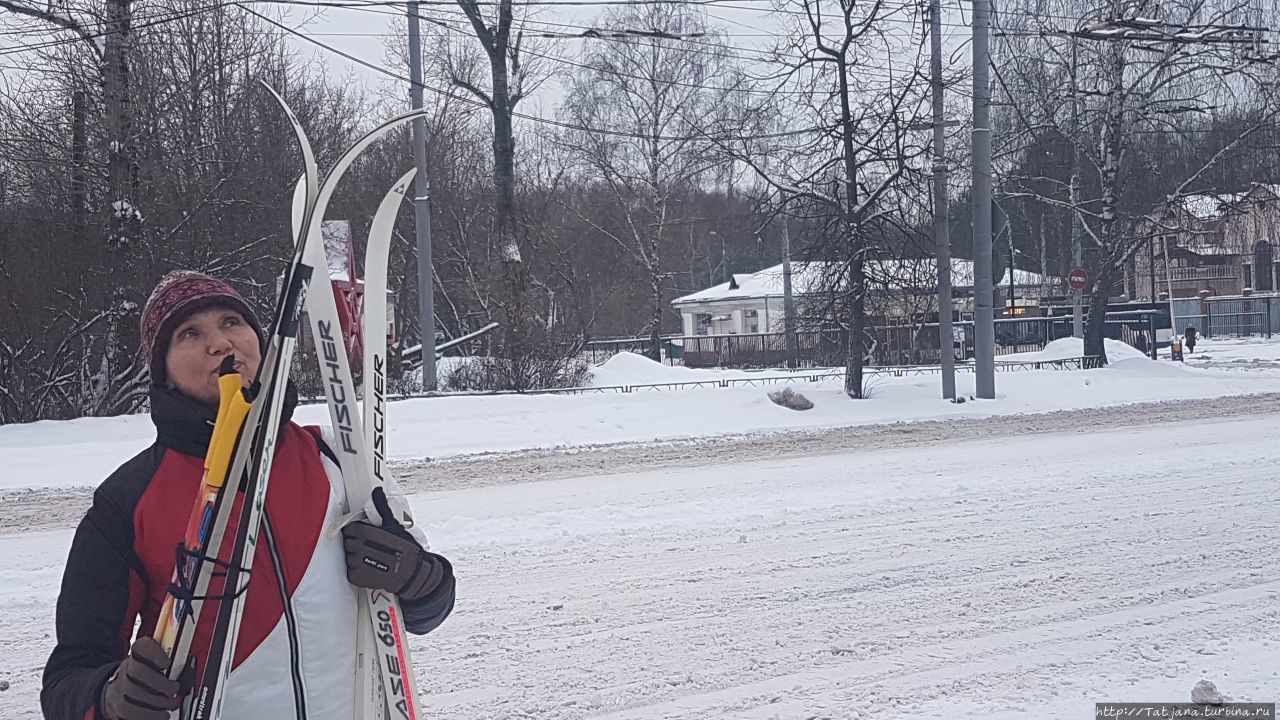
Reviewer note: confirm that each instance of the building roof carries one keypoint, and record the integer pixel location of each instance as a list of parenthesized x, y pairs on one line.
[(807, 276), (1209, 206), (1206, 249)]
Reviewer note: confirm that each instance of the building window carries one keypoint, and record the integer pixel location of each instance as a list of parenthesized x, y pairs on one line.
[(1248, 275), (751, 321), (702, 324), (1262, 259)]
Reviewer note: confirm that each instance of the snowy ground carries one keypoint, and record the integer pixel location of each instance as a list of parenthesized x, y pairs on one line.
[(685, 562), (1008, 576), (82, 452), (1251, 353)]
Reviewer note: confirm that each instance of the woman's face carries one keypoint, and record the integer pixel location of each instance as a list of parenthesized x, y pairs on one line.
[(199, 344)]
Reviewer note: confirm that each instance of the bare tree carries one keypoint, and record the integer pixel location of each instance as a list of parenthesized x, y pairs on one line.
[(209, 169), (1127, 70), (108, 35), (836, 75), (509, 83), (530, 351), (641, 104)]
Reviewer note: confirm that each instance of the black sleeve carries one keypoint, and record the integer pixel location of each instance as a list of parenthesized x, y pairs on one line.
[(423, 616), (94, 600)]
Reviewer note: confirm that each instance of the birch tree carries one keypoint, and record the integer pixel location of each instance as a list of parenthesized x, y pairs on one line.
[(640, 102), (1124, 71)]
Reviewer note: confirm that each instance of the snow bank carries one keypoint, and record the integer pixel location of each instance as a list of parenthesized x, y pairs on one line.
[(1068, 348), (1148, 368), (83, 452), (628, 368), (53, 453)]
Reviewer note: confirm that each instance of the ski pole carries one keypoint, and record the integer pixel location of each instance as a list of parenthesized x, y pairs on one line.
[(232, 410)]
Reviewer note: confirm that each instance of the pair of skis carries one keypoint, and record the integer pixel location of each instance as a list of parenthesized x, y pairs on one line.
[(382, 650), (243, 447)]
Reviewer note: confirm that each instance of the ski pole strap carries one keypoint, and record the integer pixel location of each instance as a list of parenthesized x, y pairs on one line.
[(184, 590), (384, 511), (389, 520)]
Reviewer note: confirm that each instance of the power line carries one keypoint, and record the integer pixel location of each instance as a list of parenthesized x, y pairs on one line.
[(375, 7), (581, 32), (523, 116), (158, 20), (760, 56)]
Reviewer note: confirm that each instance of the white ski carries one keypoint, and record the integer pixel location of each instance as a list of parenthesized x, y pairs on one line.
[(254, 454), (380, 616), (376, 256)]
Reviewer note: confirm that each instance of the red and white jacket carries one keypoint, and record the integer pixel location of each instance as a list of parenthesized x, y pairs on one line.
[(295, 657)]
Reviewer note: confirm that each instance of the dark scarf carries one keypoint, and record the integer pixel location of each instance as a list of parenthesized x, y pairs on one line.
[(186, 425)]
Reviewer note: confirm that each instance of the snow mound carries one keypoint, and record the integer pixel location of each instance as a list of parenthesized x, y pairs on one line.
[(1148, 368), (627, 368), (1068, 348)]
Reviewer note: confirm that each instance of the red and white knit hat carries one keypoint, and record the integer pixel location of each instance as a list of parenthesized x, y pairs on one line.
[(178, 296)]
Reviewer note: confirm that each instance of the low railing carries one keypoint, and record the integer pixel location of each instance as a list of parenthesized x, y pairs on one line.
[(821, 374), (890, 345), (811, 375)]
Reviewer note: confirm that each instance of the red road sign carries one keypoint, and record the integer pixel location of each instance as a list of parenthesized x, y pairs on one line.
[(1077, 279)]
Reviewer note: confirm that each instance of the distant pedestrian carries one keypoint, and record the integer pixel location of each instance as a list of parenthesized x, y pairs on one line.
[(1190, 334)]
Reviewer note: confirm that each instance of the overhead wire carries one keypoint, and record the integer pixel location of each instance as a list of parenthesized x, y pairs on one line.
[(375, 6), (147, 22), (476, 102), (160, 18)]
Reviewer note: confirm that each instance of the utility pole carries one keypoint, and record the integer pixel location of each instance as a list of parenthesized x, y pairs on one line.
[(1007, 230), (983, 319), (788, 303), (422, 209), (1077, 254), (941, 234)]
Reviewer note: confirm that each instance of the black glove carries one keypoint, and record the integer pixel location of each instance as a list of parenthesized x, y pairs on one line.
[(384, 559), (140, 689)]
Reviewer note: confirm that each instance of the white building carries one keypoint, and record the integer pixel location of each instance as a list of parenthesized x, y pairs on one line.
[(752, 303)]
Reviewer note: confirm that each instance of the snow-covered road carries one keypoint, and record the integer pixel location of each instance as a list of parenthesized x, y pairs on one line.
[(1009, 576)]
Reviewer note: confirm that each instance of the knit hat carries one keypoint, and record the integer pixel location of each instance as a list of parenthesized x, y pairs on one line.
[(178, 296)]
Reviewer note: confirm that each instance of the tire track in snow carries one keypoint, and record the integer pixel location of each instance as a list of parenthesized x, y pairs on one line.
[(1046, 551), (905, 671)]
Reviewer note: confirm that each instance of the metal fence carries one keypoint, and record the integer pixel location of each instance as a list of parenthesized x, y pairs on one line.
[(774, 377), (1228, 317), (892, 346), (915, 344)]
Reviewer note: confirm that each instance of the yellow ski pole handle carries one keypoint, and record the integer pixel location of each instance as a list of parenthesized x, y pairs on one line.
[(225, 430)]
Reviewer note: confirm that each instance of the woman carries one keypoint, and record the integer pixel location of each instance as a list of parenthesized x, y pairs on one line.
[(295, 657)]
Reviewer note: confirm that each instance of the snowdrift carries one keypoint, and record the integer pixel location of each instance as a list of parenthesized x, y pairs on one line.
[(1068, 348)]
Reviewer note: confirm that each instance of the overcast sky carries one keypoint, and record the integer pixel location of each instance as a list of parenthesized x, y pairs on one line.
[(749, 25), (363, 34)]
